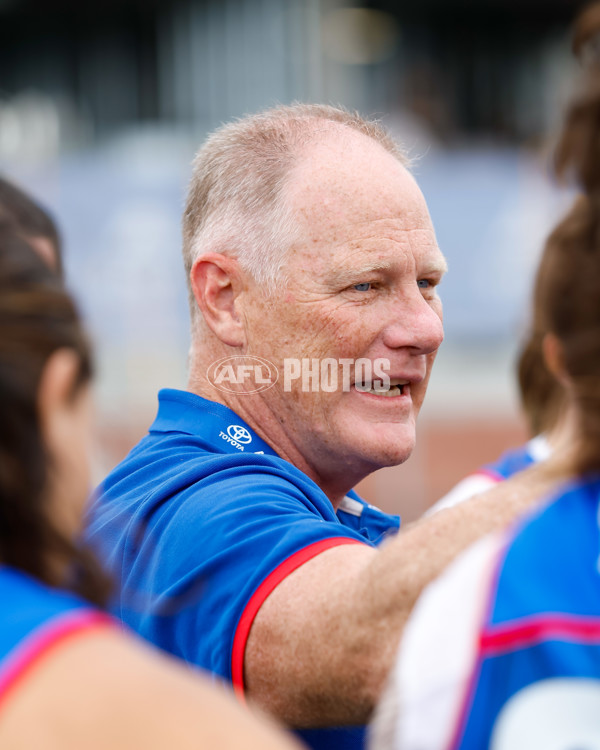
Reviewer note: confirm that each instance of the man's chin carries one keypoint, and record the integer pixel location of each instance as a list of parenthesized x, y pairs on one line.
[(395, 458), (390, 448)]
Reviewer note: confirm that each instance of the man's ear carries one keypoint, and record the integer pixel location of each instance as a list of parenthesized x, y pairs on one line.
[(216, 283), (554, 357), (55, 393)]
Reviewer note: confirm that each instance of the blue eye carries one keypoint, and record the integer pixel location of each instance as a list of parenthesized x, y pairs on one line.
[(423, 283), (364, 287)]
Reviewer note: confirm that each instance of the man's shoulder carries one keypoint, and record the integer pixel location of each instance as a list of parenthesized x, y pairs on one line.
[(186, 458), (176, 474), (192, 438)]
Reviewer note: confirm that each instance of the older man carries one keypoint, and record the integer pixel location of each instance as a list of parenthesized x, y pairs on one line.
[(232, 527)]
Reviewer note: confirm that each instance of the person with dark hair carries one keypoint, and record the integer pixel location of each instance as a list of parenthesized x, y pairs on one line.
[(70, 678), (542, 396), (503, 650), (32, 222)]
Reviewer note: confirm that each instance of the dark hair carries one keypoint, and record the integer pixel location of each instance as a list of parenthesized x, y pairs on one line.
[(29, 218), (567, 292), (586, 34), (37, 317), (542, 396)]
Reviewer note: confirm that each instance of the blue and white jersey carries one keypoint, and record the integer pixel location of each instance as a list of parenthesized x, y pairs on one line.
[(201, 522), (518, 459), (33, 619), (503, 650)]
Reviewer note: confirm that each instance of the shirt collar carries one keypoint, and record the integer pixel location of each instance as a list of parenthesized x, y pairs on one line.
[(216, 424)]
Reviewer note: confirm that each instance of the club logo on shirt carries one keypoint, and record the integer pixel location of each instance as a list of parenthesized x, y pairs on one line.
[(237, 436), (242, 374)]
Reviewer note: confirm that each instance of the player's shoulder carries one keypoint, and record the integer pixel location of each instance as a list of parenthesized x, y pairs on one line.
[(105, 689), (544, 559), (519, 458), (32, 595), (33, 615)]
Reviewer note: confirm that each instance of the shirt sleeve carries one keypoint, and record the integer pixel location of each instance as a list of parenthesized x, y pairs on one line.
[(216, 553)]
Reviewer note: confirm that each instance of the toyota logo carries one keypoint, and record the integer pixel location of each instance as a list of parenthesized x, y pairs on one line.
[(239, 434)]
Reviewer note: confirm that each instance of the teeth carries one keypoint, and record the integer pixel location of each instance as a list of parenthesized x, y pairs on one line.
[(393, 390), (396, 388)]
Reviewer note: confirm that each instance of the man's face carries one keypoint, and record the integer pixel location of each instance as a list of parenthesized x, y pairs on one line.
[(362, 284)]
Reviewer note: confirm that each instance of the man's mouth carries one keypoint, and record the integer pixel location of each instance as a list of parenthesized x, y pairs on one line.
[(395, 388)]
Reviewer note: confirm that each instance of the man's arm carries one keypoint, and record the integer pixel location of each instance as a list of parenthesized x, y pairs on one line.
[(324, 640)]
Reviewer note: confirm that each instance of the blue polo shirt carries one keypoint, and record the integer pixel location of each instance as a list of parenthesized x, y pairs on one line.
[(201, 521)]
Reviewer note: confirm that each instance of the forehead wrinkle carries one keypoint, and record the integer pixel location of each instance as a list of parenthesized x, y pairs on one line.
[(369, 254), (383, 227), (362, 234), (340, 272)]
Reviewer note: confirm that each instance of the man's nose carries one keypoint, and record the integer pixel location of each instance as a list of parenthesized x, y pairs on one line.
[(416, 324)]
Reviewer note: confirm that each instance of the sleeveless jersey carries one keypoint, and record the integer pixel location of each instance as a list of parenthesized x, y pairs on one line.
[(33, 619)]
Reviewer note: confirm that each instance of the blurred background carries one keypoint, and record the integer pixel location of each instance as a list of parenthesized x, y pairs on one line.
[(103, 104)]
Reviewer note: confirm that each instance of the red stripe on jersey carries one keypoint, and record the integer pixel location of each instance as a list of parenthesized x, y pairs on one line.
[(498, 638), (262, 592)]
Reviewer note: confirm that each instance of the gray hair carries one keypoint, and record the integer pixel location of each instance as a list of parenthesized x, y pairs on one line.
[(234, 203)]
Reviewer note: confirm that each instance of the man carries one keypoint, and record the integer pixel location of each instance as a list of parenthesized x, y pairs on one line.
[(306, 241), (31, 222)]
